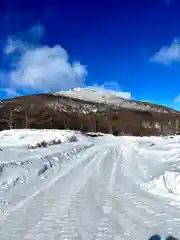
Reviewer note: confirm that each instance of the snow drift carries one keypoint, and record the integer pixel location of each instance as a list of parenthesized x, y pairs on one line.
[(33, 137)]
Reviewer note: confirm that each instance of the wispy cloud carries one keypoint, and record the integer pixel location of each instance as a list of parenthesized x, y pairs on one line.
[(168, 54), (9, 92), (40, 67), (177, 99)]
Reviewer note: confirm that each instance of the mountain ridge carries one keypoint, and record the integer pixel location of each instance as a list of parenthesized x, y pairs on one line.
[(69, 94), (81, 109), (105, 94)]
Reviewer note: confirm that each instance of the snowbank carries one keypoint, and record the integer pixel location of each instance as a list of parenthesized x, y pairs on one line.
[(155, 165), (36, 138), (22, 169), (18, 165)]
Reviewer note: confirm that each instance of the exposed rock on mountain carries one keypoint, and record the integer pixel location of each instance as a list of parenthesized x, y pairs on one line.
[(88, 110)]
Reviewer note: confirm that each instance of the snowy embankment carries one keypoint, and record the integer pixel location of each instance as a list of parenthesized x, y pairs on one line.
[(88, 188), (29, 156), (33, 137), (153, 163), (159, 167)]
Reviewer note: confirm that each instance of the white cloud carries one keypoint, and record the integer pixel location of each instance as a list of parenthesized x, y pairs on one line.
[(47, 68), (41, 68), (12, 45), (126, 95), (168, 54), (177, 99), (112, 87), (22, 43), (9, 92)]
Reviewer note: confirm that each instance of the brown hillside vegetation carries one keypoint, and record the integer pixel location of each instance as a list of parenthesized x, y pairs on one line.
[(60, 112)]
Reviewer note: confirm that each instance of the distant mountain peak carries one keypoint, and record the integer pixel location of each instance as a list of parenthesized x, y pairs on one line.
[(96, 95)]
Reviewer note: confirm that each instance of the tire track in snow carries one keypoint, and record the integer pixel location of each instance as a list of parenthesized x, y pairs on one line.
[(53, 181), (94, 201), (44, 199), (133, 208), (62, 208)]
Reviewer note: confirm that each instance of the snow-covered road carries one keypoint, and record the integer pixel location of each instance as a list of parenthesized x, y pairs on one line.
[(99, 197)]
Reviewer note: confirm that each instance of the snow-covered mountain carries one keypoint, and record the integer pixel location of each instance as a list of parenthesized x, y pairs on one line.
[(88, 109), (95, 95), (83, 188)]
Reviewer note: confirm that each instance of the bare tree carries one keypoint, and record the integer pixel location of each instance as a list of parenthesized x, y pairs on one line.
[(28, 108), (8, 115)]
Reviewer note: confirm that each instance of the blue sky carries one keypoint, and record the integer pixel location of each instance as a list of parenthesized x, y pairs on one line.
[(128, 46)]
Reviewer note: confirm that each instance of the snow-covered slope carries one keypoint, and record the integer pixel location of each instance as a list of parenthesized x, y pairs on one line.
[(112, 98), (30, 137), (94, 188), (90, 94)]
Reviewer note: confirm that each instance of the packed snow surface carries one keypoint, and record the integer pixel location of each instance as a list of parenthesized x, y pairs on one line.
[(88, 188)]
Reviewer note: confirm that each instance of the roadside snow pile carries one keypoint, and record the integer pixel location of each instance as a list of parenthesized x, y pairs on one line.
[(155, 165), (152, 163), (21, 169), (37, 138), (17, 166), (167, 185)]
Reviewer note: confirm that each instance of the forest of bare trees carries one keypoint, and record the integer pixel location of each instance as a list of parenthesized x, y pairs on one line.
[(45, 112)]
